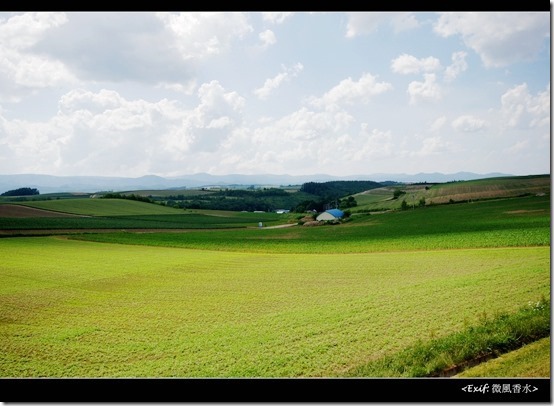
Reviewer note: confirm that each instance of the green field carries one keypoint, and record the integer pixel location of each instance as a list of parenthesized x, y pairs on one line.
[(101, 207), (531, 360), (75, 308), (487, 224), (326, 301), (128, 214), (451, 192)]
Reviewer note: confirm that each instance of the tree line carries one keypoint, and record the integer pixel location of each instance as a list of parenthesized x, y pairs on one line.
[(24, 191)]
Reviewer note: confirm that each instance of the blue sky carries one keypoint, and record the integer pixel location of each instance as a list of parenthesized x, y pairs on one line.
[(299, 93)]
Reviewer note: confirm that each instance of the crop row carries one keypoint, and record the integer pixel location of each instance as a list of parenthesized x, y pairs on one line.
[(75, 308), (511, 223)]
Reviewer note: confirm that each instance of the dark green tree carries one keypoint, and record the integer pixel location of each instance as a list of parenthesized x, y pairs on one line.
[(24, 191)]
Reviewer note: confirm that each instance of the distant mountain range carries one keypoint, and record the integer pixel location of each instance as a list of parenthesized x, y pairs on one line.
[(90, 184)]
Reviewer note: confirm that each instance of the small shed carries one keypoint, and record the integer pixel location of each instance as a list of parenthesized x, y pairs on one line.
[(333, 214)]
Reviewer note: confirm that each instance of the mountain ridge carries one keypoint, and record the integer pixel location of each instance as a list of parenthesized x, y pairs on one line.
[(90, 184)]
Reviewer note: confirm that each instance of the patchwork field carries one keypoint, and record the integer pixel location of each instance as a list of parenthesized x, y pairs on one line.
[(452, 192), (326, 301)]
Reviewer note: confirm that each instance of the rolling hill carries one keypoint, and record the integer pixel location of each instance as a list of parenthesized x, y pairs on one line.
[(52, 184)]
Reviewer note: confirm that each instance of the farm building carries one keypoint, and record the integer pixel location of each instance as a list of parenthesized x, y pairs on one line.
[(333, 214)]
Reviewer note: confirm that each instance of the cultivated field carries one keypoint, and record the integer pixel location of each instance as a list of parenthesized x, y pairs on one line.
[(327, 301), (452, 192)]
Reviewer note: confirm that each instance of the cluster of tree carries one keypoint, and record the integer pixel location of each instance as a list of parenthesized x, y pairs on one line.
[(397, 193), (265, 192), (325, 204), (338, 188), (310, 205), (127, 197), (405, 206), (223, 203), (267, 199), (347, 203), (24, 191), (312, 196)]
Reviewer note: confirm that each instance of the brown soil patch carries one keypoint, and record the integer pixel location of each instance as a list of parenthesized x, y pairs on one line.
[(18, 211)]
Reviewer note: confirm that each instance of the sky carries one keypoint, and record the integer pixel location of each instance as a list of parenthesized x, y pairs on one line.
[(299, 93)]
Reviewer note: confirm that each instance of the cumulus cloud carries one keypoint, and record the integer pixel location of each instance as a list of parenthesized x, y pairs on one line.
[(267, 38), (273, 83), (349, 91), (438, 124), (276, 17), (211, 122), (21, 69), (363, 23), (458, 66), (499, 38), (198, 35), (188, 88), (104, 132), (429, 89), (432, 146), (518, 147), (406, 64), (404, 22), (299, 141), (521, 108), (139, 46), (468, 123), (371, 144), (22, 31)]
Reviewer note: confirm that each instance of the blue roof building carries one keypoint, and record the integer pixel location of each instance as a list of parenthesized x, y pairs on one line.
[(332, 214)]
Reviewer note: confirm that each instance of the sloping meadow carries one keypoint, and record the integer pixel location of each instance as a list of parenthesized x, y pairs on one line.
[(298, 302)]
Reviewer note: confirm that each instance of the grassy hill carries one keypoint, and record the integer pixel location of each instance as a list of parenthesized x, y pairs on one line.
[(402, 293), (125, 213), (101, 207), (329, 301), (451, 192)]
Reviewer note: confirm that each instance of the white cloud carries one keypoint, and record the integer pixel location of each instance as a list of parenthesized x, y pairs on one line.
[(349, 91), (105, 133), (500, 38), (273, 83), (363, 23), (427, 90), (406, 64), (404, 22), (299, 142), (520, 108), (306, 125), (268, 38), (135, 46), (276, 17), (458, 66), (374, 144), (468, 123), (518, 147), (22, 31), (187, 88), (21, 70), (145, 93), (432, 146), (438, 124), (198, 35), (213, 120)]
